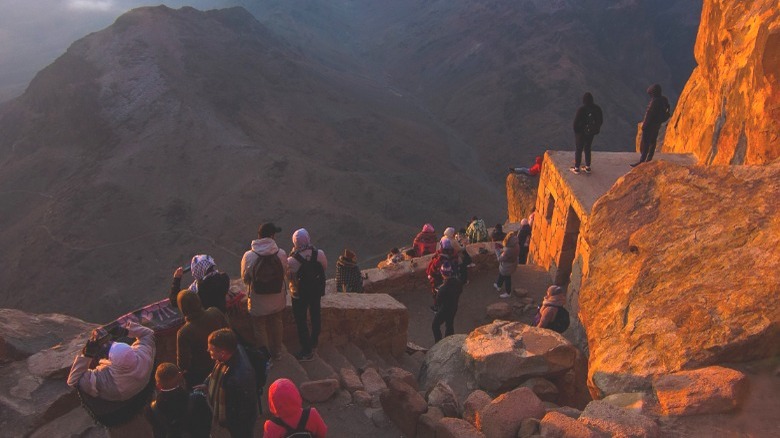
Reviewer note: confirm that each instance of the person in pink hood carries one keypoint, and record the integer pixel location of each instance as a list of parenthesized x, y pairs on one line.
[(425, 241), (288, 415)]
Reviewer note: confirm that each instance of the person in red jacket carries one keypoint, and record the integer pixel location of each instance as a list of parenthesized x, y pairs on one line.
[(425, 241), (535, 170), (288, 415)]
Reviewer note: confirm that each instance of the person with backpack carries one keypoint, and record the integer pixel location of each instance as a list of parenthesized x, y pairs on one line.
[(192, 355), (587, 123), (425, 241), (446, 254), (507, 264), (348, 275), (657, 113), (307, 266), (476, 231), (552, 313), (264, 273), (211, 285), (288, 417), (446, 302), (176, 412)]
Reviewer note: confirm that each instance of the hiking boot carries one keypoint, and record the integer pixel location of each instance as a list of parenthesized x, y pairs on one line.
[(304, 357), (575, 170), (504, 295), (586, 169)]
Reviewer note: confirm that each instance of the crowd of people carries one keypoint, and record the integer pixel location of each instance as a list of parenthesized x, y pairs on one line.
[(219, 377)]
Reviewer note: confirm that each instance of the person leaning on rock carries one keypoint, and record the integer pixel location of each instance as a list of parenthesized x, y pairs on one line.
[(124, 373), (658, 111), (192, 354)]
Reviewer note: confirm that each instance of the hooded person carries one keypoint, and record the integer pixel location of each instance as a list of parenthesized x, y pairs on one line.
[(587, 123), (658, 111), (175, 412), (425, 241), (552, 313), (306, 267), (446, 302), (524, 239), (288, 415), (123, 374), (209, 283), (534, 170), (264, 272), (449, 234), (192, 356), (507, 264), (348, 275)]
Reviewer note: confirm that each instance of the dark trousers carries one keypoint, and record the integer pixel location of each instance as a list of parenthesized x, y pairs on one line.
[(300, 307), (523, 255), (647, 143), (505, 280), (243, 430), (447, 318), (583, 142)]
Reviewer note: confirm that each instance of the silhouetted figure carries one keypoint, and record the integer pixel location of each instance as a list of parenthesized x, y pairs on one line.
[(307, 267), (658, 112), (524, 238), (175, 412), (446, 302), (587, 123), (192, 356)]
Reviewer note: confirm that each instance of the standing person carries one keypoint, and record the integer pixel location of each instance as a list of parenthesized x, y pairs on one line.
[(232, 389), (192, 356), (446, 302), (263, 271), (211, 285), (587, 123), (425, 241), (658, 111), (288, 415), (507, 264), (307, 266), (552, 313), (524, 238), (348, 276), (175, 412), (126, 371), (444, 255), (477, 232)]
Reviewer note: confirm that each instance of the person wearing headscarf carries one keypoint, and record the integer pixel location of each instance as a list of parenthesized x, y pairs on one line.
[(425, 241), (192, 355), (306, 292), (288, 415), (123, 374), (348, 276), (209, 283)]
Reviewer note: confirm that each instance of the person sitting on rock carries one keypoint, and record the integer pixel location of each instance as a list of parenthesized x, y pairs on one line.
[(425, 241), (449, 234), (477, 232), (534, 170), (552, 313), (126, 371), (446, 302), (507, 264), (287, 414), (348, 275), (210, 284), (524, 237), (175, 412), (192, 354)]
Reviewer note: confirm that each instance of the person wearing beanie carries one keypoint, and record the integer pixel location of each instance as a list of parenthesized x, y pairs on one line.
[(552, 313), (123, 374), (348, 276), (658, 111), (425, 241), (288, 415), (264, 273), (446, 302), (210, 284), (192, 356), (307, 266)]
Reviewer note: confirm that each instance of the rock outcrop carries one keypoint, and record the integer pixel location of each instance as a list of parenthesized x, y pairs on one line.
[(729, 111), (520, 195), (695, 250), (24, 334)]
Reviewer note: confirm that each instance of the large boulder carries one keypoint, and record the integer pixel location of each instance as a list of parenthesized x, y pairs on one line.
[(614, 421), (474, 403), (504, 354), (557, 425), (502, 417), (456, 428), (520, 195), (695, 250), (446, 362), (24, 334), (729, 111), (710, 390), (403, 405)]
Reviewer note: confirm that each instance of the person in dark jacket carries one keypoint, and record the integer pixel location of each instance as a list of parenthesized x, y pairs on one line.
[(497, 236), (524, 237), (231, 387), (210, 284), (446, 303), (175, 412), (656, 114), (192, 356), (348, 276), (587, 123)]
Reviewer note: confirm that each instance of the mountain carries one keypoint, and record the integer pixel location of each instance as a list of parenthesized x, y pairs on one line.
[(175, 132)]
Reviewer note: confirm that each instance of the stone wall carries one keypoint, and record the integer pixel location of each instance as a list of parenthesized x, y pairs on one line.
[(520, 195)]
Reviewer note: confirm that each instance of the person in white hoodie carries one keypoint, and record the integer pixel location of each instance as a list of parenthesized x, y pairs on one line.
[(121, 376), (307, 266), (265, 288)]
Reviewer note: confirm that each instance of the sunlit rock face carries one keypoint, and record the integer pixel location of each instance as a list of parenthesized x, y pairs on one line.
[(729, 111), (683, 272)]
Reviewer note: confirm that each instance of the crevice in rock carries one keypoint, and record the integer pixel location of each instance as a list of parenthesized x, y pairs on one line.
[(741, 150), (716, 133)]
